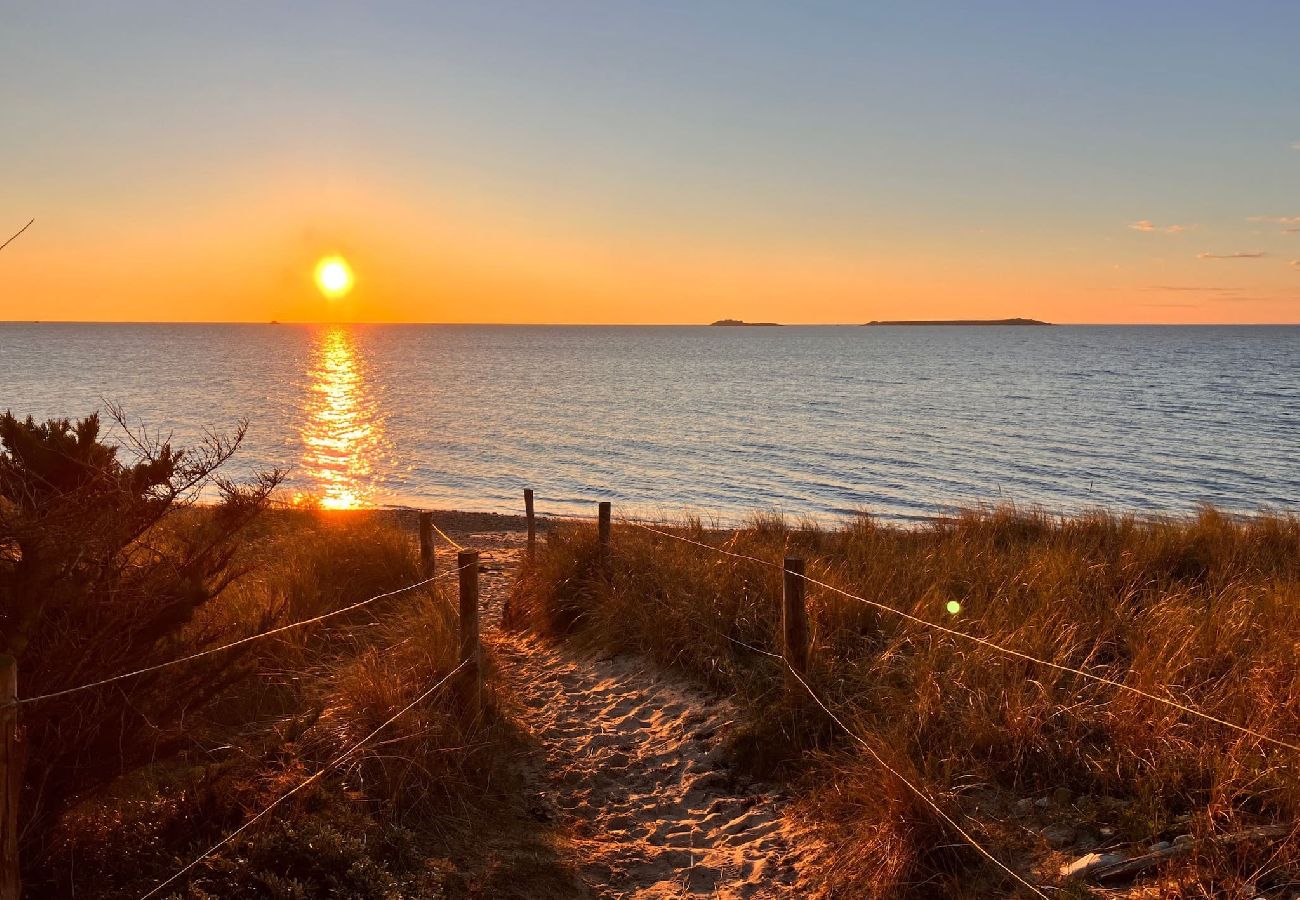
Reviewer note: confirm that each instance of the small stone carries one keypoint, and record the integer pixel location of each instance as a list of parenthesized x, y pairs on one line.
[(1085, 865), (1106, 831), (1062, 796), (1042, 803), (1058, 836), (1182, 839), (1158, 846), (1024, 807)]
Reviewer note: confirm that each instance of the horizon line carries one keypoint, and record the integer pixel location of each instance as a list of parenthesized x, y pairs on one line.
[(601, 324)]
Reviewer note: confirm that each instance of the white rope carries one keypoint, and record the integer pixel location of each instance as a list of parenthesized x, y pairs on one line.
[(312, 780), (444, 534), (1101, 679), (952, 823), (238, 643), (914, 789)]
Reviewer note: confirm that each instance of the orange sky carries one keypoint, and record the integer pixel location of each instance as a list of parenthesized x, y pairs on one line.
[(440, 257), (645, 168)]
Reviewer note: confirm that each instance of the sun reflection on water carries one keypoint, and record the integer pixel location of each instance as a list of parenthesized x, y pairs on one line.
[(342, 431)]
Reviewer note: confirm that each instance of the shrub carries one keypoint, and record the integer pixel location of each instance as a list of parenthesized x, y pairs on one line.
[(101, 571)]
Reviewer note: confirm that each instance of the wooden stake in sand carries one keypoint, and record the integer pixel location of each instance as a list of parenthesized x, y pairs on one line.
[(794, 621), (532, 523), (427, 559), (604, 529), (471, 677), (10, 779)]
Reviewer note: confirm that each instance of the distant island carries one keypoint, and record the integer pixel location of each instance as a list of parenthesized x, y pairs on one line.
[(747, 324), (962, 322)]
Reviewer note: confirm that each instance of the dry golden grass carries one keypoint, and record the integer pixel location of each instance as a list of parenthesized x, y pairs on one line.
[(388, 823), (1203, 610)]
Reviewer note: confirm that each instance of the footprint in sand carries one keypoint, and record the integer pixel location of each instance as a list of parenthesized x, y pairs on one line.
[(629, 765)]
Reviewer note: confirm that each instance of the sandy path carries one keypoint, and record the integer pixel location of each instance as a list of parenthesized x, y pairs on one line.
[(631, 767)]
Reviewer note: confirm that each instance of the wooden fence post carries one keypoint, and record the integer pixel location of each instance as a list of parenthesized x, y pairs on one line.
[(11, 772), (604, 528), (532, 524), (471, 677), (427, 559), (794, 621)]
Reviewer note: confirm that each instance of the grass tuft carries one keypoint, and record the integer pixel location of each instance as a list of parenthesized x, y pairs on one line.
[(293, 703), (1203, 610)]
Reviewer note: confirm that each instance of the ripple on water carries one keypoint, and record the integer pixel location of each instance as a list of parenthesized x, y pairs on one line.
[(817, 421)]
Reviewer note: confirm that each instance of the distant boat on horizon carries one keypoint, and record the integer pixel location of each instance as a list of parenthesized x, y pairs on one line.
[(732, 322)]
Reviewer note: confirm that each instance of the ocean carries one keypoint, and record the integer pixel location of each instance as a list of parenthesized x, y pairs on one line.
[(904, 422)]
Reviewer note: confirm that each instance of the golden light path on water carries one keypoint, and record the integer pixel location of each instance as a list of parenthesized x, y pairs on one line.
[(342, 432)]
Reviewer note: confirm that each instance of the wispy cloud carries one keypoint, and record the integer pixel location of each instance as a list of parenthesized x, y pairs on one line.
[(1239, 255), (1290, 224), (1149, 226), (1296, 263)]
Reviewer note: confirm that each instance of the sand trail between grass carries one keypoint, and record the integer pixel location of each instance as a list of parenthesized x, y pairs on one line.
[(632, 769), (632, 765)]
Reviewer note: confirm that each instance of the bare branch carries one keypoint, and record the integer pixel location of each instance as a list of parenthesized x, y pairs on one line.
[(16, 233)]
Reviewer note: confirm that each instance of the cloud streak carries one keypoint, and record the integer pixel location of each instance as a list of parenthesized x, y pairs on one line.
[(1238, 255), (1148, 226)]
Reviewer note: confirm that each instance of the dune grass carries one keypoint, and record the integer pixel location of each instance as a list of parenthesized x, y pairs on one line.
[(1203, 610), (398, 820)]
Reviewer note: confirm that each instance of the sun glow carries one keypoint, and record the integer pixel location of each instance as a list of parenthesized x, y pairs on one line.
[(342, 427), (334, 276)]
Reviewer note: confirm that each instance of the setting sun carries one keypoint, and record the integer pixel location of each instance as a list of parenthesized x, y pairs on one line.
[(334, 276), (610, 340)]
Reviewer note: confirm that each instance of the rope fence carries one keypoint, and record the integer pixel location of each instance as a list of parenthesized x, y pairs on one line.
[(984, 642), (938, 810), (799, 678), (795, 657), (320, 773), (794, 660), (468, 672), (954, 632), (442, 534), (230, 646)]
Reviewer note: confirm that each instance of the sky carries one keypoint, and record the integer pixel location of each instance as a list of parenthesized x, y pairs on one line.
[(667, 162)]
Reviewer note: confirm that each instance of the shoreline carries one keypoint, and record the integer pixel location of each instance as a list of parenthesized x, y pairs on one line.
[(505, 527)]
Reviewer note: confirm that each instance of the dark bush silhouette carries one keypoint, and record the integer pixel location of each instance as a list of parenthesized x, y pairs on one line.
[(103, 565)]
